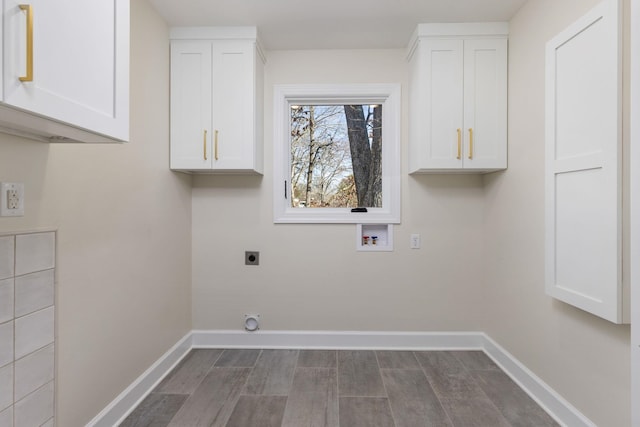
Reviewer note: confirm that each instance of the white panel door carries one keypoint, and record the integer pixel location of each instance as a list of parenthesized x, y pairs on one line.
[(233, 105), (80, 62), (583, 173), (191, 132), (443, 95), (485, 104)]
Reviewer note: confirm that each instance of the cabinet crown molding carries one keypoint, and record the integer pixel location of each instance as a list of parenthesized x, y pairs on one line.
[(457, 31), (219, 33), (213, 33)]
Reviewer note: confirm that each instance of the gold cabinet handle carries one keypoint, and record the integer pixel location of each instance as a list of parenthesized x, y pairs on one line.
[(215, 147), (459, 144), (204, 144), (29, 76), (470, 143)]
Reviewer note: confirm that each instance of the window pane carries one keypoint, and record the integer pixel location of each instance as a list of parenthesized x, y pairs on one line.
[(336, 156)]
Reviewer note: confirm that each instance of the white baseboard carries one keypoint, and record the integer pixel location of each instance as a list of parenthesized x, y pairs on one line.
[(561, 410), (341, 340), (555, 405), (131, 397)]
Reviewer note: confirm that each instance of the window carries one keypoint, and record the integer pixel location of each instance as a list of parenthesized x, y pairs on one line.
[(336, 156), (337, 153)]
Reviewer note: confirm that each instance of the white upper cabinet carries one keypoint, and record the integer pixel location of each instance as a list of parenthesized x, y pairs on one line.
[(191, 96), (458, 98), (216, 100), (65, 72), (583, 173)]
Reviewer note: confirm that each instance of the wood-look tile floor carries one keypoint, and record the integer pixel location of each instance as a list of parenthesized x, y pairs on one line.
[(328, 388)]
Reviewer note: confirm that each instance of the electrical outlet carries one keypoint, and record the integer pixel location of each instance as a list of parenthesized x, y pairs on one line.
[(414, 242), (252, 258), (11, 199)]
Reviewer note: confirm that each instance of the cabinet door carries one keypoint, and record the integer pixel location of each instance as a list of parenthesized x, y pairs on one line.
[(485, 104), (233, 105), (441, 98), (191, 146), (583, 173), (80, 62)]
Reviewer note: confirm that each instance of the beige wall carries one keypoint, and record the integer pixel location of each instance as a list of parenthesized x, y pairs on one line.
[(582, 357), (635, 207), (124, 236), (311, 277)]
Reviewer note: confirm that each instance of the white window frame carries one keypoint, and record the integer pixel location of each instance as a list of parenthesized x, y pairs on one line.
[(388, 95)]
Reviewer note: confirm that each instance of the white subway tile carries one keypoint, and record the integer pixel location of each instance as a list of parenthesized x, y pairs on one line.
[(33, 292), (27, 322), (6, 343), (36, 408), (6, 417), (6, 386), (34, 252), (33, 371), (34, 331), (6, 300), (6, 256)]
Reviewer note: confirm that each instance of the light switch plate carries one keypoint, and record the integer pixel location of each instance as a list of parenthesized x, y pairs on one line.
[(11, 199)]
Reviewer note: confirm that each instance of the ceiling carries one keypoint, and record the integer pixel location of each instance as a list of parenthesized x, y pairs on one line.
[(333, 24)]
